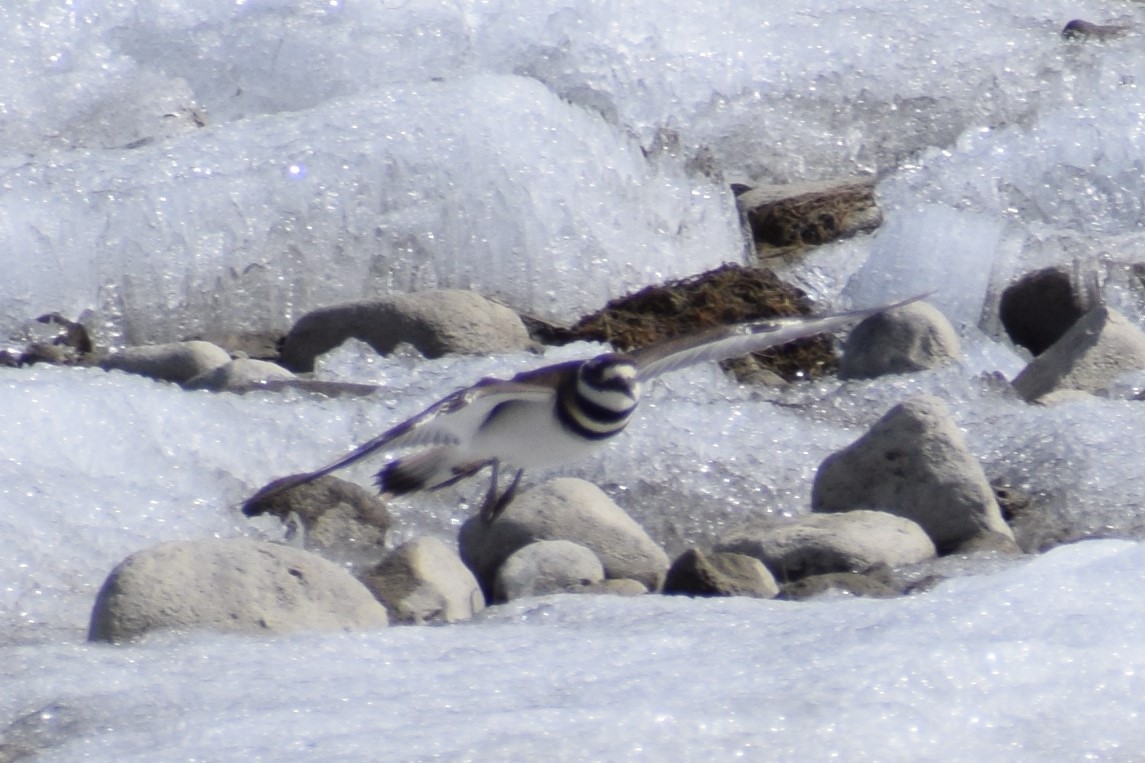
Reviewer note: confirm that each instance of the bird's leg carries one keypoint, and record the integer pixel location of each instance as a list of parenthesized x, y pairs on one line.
[(489, 505), (505, 499), (494, 504), (462, 472)]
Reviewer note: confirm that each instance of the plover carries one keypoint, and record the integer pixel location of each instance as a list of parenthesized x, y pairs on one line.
[(552, 415)]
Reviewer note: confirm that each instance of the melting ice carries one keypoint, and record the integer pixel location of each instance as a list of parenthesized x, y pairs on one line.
[(171, 169)]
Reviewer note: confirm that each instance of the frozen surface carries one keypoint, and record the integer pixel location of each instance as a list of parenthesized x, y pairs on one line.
[(172, 168), (488, 182), (107, 464), (1026, 664), (552, 156)]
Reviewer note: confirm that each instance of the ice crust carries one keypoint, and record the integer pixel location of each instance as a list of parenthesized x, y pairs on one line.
[(488, 182), (171, 168)]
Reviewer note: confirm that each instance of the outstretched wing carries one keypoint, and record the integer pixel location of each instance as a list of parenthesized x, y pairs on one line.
[(739, 339), (449, 421)]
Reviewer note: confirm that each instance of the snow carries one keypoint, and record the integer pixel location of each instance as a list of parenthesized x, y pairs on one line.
[(1020, 664), (172, 168)]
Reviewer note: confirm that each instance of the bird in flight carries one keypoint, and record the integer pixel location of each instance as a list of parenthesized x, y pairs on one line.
[(552, 415)]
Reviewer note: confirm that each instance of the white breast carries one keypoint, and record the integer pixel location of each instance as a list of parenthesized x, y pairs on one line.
[(528, 435)]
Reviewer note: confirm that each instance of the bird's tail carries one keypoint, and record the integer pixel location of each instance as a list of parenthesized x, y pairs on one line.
[(412, 473), (428, 470)]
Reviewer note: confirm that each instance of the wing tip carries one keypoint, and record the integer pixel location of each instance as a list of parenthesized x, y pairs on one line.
[(899, 303)]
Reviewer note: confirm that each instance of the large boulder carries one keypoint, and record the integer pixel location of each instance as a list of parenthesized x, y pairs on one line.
[(436, 323), (565, 509), (1102, 344), (230, 585), (817, 544), (913, 462), (424, 581), (913, 337)]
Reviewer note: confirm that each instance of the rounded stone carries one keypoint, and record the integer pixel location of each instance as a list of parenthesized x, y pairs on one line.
[(565, 509), (176, 362), (910, 338), (435, 323), (816, 544), (425, 581), (548, 566), (229, 585)]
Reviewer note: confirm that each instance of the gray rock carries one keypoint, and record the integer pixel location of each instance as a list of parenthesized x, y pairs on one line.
[(1038, 308), (338, 519), (914, 463), (547, 566), (618, 587), (229, 585), (914, 337), (424, 581), (176, 362), (48, 726), (1036, 528), (239, 375), (852, 583), (565, 509), (434, 322), (54, 354), (796, 215), (817, 544), (1063, 397), (695, 573), (1088, 357), (261, 345), (1013, 503), (50, 338), (1080, 29), (988, 543)]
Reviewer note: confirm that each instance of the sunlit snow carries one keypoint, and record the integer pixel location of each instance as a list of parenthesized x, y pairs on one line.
[(169, 169)]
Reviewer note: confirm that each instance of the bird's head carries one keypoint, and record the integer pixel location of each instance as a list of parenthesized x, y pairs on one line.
[(610, 381)]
